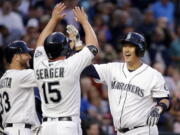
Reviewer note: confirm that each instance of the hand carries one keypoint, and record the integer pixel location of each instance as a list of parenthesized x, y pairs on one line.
[(57, 12), (2, 132), (80, 15), (72, 32), (154, 115), (36, 130), (76, 43)]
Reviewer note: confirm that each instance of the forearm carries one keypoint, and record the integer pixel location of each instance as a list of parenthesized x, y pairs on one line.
[(46, 31), (90, 36)]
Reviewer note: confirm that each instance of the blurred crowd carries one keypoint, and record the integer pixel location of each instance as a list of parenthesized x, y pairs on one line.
[(157, 20)]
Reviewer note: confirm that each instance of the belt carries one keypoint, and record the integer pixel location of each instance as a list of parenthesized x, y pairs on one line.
[(58, 118), (25, 125), (124, 130)]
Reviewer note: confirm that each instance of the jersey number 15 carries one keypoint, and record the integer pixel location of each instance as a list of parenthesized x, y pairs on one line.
[(51, 93)]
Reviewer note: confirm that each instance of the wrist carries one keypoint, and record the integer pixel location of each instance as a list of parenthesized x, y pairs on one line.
[(162, 106), (85, 22), (160, 109), (78, 48), (54, 20)]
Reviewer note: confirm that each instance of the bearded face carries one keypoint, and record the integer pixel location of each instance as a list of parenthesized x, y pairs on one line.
[(24, 60)]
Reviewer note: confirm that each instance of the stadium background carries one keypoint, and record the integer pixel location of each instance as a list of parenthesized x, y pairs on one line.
[(157, 20)]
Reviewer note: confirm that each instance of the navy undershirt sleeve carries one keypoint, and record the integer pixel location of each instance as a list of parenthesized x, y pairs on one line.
[(91, 72)]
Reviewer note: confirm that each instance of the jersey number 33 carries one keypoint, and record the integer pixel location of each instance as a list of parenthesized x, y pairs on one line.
[(4, 102)]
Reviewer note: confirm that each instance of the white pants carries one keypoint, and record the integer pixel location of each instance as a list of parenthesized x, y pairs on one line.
[(61, 128), (141, 131), (18, 129)]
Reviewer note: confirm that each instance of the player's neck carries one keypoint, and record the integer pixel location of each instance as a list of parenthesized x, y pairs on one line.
[(58, 58), (134, 65), (15, 66)]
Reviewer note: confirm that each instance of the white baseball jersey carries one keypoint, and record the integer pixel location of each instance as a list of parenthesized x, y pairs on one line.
[(131, 93), (17, 100), (58, 82)]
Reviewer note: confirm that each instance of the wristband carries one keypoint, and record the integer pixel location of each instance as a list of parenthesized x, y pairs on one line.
[(163, 105)]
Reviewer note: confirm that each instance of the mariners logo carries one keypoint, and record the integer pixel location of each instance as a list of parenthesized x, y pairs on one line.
[(127, 87), (38, 53)]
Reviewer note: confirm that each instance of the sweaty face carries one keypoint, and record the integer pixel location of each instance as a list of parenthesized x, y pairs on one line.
[(129, 53), (24, 60)]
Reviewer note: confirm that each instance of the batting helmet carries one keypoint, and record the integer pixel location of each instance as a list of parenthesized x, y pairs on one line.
[(137, 40), (56, 44), (16, 47)]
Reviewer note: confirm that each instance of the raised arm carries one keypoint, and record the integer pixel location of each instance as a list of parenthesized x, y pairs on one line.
[(55, 17), (81, 17)]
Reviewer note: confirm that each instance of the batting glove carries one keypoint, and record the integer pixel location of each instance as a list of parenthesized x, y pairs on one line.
[(154, 115), (2, 132), (36, 130), (72, 32), (74, 36)]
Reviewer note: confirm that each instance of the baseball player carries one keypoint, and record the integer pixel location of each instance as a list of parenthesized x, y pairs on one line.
[(137, 93), (58, 74), (17, 101)]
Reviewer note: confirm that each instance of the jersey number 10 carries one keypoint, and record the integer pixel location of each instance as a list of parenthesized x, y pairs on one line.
[(50, 93)]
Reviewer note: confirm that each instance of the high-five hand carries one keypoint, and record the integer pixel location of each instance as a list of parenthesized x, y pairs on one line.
[(80, 15), (57, 13)]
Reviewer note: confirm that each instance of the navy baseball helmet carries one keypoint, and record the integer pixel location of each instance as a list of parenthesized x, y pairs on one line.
[(16, 47), (56, 44), (137, 40)]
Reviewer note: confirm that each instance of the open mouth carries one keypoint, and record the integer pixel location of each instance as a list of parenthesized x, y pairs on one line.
[(127, 55)]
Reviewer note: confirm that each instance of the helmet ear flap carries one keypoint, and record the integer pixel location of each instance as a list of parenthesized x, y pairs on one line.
[(140, 52), (68, 48), (142, 49), (67, 51)]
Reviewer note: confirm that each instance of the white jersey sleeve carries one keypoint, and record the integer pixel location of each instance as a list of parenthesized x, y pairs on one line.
[(103, 71), (160, 88), (80, 60), (39, 55), (28, 79)]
